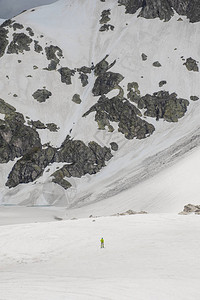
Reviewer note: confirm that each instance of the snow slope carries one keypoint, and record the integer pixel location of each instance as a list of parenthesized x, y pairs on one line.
[(146, 257), (132, 179)]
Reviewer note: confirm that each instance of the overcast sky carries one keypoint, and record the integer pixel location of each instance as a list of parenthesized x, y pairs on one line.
[(10, 8)]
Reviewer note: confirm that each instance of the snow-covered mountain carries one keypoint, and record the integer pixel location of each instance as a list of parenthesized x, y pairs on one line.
[(99, 102)]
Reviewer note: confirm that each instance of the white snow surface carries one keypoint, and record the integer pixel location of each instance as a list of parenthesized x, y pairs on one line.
[(146, 257), (157, 174)]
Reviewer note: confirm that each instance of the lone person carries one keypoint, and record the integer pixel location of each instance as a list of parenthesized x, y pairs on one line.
[(102, 243)]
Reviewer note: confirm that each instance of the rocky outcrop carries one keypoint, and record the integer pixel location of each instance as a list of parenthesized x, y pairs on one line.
[(76, 99), (52, 127), (194, 98), (189, 209), (30, 166), (106, 27), (103, 66), (105, 16), (81, 160), (37, 47), (54, 54), (106, 82), (30, 31), (132, 5), (20, 43), (156, 9), (162, 82), (163, 9), (157, 64), (66, 75), (3, 40), (161, 105), (124, 113), (17, 26), (15, 137), (41, 95), (191, 64)]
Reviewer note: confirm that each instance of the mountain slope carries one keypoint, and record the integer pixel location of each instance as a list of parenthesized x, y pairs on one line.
[(134, 63)]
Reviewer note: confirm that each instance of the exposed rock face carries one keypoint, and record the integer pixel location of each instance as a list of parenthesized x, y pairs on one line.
[(163, 9), (54, 54), (66, 75), (106, 27), (144, 56), (157, 8), (15, 137), (124, 113), (21, 42), (162, 82), (157, 64), (30, 166), (190, 208), (106, 82), (103, 66), (83, 160), (3, 40), (52, 127), (114, 146), (41, 95), (194, 98), (37, 124), (105, 16), (76, 99), (37, 47), (191, 64), (131, 5), (162, 105), (17, 26), (193, 11), (30, 31)]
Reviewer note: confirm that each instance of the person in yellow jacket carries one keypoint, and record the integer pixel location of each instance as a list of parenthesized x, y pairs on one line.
[(102, 243)]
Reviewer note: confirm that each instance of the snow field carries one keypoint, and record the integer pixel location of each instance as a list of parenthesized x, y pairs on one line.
[(146, 257)]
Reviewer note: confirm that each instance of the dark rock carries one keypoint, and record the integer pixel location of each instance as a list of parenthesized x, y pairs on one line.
[(106, 82), (84, 70), (7, 23), (3, 40), (106, 27), (114, 146), (30, 166), (17, 26), (124, 113), (37, 47), (66, 75), (194, 98), (163, 105), (15, 137), (84, 79), (144, 56), (21, 42), (37, 124), (162, 82), (191, 65), (52, 127), (156, 9), (157, 64), (41, 95), (131, 5), (54, 54), (30, 31), (103, 66), (76, 99), (193, 11), (105, 16)]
